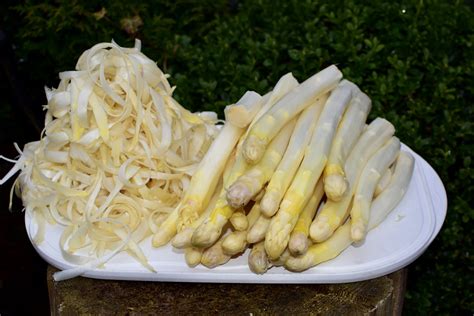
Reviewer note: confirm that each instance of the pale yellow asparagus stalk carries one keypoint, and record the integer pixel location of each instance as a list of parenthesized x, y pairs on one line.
[(299, 242), (193, 256), (374, 169), (281, 225), (209, 231), (268, 126), (205, 179), (333, 213), (364, 191), (236, 242), (292, 158), (258, 230), (380, 208), (252, 181), (349, 130), (258, 260), (383, 182)]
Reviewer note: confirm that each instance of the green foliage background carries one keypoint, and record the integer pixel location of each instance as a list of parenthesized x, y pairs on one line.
[(415, 59)]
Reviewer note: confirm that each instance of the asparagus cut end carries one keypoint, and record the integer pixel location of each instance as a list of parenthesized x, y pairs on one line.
[(183, 239)]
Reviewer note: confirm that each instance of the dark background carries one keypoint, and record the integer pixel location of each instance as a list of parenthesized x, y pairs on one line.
[(414, 58)]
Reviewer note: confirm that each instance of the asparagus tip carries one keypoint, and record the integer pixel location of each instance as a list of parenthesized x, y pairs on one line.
[(320, 231), (357, 232), (205, 235), (161, 238), (269, 203), (276, 242), (239, 221), (183, 239), (335, 186), (238, 195), (298, 244), (193, 257), (253, 149), (213, 257), (234, 243)]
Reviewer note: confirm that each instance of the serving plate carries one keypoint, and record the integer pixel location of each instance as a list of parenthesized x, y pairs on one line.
[(401, 238)]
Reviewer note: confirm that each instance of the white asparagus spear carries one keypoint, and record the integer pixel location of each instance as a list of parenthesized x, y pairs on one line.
[(364, 191), (299, 242), (292, 158), (268, 126), (349, 130), (281, 225), (214, 255), (333, 214)]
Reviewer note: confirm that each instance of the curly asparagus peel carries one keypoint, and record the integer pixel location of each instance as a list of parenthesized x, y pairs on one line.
[(209, 231), (205, 179), (251, 182), (299, 236), (281, 178), (281, 225), (333, 213), (349, 130), (268, 126), (364, 191), (380, 208)]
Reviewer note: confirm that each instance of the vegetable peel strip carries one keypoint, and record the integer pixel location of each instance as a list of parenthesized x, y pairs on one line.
[(108, 154)]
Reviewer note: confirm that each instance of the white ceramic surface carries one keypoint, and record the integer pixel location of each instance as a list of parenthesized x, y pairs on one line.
[(399, 240)]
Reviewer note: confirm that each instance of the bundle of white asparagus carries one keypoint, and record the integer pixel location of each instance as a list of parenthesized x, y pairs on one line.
[(297, 176)]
